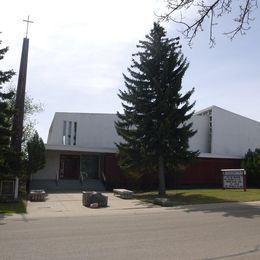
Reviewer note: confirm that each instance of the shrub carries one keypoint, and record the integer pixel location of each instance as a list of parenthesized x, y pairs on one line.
[(251, 164)]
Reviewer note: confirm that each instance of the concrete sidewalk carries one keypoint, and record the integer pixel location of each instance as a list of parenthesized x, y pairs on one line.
[(70, 204)]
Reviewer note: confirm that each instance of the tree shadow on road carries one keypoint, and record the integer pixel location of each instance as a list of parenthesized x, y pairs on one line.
[(246, 253), (239, 209)]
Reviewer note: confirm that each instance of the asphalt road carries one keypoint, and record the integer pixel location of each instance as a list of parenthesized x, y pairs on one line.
[(187, 233)]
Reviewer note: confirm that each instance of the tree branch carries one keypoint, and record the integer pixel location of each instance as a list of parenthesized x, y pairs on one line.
[(206, 11)]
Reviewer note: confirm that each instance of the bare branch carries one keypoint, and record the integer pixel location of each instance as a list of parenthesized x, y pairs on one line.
[(211, 12), (243, 20)]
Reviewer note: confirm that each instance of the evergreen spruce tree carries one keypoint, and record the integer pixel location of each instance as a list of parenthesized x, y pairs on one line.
[(35, 154), (6, 154), (154, 124), (251, 164)]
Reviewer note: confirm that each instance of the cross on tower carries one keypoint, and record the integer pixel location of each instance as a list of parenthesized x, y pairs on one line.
[(27, 21)]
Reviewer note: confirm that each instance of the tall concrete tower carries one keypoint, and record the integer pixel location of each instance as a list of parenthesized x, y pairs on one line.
[(16, 141)]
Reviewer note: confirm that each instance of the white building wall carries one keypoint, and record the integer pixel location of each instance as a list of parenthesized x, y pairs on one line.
[(201, 140), (233, 134), (219, 132), (93, 130)]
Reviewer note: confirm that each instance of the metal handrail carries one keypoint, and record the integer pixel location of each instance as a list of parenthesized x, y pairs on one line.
[(103, 176), (81, 178), (57, 178)]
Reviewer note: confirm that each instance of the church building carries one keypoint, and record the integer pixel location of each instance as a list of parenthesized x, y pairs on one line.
[(81, 151)]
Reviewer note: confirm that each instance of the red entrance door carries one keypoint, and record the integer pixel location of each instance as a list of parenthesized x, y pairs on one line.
[(69, 167)]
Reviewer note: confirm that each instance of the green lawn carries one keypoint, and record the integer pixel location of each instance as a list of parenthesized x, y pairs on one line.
[(13, 207), (202, 196)]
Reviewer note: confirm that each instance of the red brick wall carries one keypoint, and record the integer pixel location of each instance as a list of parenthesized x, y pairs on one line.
[(114, 175), (202, 172), (206, 171)]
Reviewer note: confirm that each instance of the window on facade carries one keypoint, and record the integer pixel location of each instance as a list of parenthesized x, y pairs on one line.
[(69, 133), (210, 130), (75, 134), (64, 133)]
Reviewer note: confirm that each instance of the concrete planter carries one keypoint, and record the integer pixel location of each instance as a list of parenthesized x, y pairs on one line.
[(37, 195), (94, 198)]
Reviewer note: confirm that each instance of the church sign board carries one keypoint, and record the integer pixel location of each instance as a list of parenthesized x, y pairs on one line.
[(234, 179)]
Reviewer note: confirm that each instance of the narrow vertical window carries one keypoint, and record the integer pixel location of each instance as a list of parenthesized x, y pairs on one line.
[(69, 134), (64, 133), (75, 134), (210, 131)]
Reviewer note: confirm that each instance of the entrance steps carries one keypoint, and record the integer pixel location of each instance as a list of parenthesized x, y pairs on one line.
[(68, 185), (93, 185)]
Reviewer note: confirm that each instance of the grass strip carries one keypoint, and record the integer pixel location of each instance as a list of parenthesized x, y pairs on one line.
[(202, 196), (13, 207)]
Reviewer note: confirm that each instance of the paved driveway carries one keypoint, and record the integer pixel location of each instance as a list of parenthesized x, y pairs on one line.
[(70, 204)]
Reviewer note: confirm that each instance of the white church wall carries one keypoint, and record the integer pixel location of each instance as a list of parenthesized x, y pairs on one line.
[(93, 130), (201, 140), (233, 134), (219, 132)]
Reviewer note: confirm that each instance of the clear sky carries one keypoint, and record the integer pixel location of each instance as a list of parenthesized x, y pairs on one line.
[(79, 50)]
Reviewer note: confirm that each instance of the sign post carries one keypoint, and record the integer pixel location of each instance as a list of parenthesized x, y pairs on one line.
[(234, 179)]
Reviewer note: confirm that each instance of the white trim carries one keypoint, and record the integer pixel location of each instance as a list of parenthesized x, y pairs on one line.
[(79, 149), (70, 148), (232, 170), (210, 155)]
